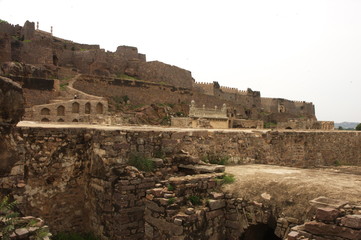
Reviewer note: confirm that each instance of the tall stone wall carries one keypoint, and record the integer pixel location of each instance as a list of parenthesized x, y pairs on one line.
[(160, 72)]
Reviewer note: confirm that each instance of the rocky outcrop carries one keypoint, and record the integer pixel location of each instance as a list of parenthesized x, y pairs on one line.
[(11, 112), (11, 102)]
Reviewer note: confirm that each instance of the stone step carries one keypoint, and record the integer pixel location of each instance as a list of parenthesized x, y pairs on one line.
[(211, 168)]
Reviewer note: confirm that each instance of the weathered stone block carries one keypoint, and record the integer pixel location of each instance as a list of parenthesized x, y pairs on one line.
[(292, 235), (323, 229), (216, 204), (327, 214), (352, 221)]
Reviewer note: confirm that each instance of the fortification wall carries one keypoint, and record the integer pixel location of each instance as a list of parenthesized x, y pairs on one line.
[(142, 92), (296, 108), (156, 71)]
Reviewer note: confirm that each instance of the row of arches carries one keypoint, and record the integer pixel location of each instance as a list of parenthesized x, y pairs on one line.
[(59, 120), (75, 108)]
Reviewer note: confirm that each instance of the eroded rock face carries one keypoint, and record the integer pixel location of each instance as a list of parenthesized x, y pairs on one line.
[(11, 102), (11, 112)]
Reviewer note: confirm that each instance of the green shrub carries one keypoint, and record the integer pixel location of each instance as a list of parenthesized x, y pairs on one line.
[(141, 162), (358, 127), (74, 236), (170, 187), (10, 221), (159, 154), (171, 201), (337, 163), (3, 21), (195, 200)]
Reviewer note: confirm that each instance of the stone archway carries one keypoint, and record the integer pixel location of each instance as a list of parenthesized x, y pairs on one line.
[(45, 111), (99, 108), (87, 108), (60, 111), (259, 231), (75, 107)]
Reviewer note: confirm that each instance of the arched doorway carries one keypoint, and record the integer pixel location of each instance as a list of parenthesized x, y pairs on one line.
[(55, 60), (75, 107), (99, 108), (45, 111), (87, 108), (60, 111), (259, 231)]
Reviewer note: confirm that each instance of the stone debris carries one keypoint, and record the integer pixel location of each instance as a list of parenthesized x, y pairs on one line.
[(335, 220)]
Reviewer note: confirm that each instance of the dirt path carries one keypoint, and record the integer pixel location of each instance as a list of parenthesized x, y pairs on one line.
[(292, 188)]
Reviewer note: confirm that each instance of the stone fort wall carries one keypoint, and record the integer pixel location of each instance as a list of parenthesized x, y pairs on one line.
[(26, 44)]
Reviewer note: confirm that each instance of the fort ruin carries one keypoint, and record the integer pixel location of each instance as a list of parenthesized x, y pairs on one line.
[(69, 162)]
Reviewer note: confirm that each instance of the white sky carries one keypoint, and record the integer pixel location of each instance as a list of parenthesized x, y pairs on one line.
[(307, 50)]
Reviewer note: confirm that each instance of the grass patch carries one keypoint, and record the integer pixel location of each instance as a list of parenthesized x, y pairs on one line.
[(195, 200), (270, 125), (214, 158), (126, 77), (226, 179), (171, 201), (63, 86), (74, 236), (141, 162)]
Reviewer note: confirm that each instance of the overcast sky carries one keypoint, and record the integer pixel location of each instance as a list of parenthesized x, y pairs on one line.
[(307, 50)]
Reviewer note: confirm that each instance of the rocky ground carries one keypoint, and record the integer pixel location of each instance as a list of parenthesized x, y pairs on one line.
[(291, 189)]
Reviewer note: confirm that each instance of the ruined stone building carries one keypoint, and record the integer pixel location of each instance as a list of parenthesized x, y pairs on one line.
[(37, 59)]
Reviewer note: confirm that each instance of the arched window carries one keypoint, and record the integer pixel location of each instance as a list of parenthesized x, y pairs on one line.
[(75, 120), (87, 108), (60, 120), (45, 111), (75, 107), (60, 111), (99, 108), (45, 120)]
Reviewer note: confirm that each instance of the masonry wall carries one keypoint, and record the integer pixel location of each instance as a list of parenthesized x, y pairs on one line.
[(77, 179)]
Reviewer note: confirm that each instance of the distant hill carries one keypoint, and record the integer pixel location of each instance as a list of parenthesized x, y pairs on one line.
[(347, 125)]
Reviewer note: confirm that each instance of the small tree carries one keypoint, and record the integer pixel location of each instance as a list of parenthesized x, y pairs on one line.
[(358, 127)]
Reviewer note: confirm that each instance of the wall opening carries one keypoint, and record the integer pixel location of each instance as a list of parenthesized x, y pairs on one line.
[(87, 108), (259, 231), (75, 120), (45, 120), (60, 120), (99, 108), (55, 60), (45, 111), (75, 107), (60, 111)]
